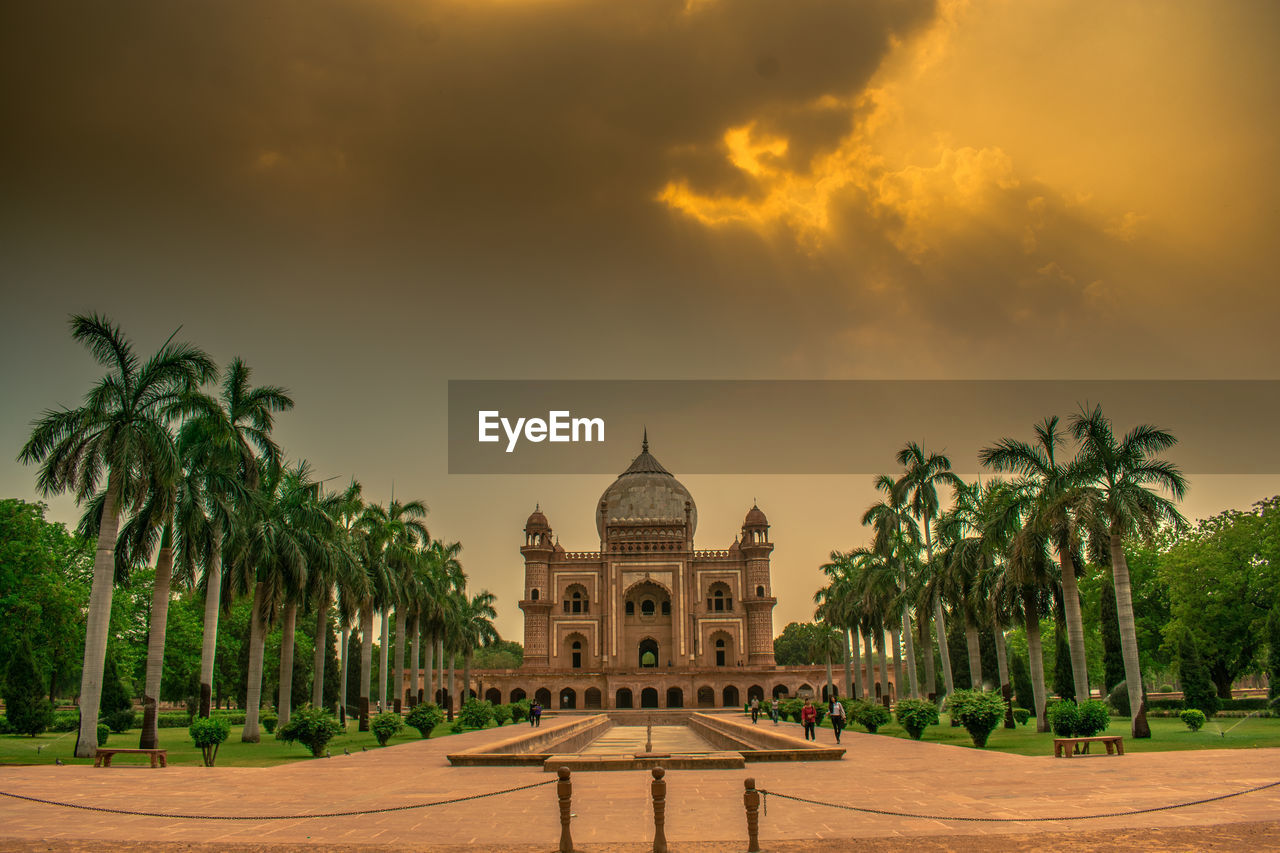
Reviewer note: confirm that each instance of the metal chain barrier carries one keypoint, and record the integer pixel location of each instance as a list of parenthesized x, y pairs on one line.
[(766, 794), (356, 813)]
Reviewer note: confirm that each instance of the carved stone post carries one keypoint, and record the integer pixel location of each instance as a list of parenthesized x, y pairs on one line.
[(751, 799), (564, 789), (659, 810)]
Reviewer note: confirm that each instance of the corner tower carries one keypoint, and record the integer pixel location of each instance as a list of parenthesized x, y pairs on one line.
[(758, 600), (538, 597)]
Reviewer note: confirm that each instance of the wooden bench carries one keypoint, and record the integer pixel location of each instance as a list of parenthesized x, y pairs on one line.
[(1065, 745), (102, 758)]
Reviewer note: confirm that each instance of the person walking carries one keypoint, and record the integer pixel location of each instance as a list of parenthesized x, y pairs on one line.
[(536, 713), (837, 718), (809, 719), (774, 712), (755, 709)]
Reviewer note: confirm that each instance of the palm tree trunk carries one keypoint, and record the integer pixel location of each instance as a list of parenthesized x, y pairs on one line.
[(1128, 631), (450, 696), (831, 685), (940, 623), (869, 677), (897, 662), (150, 737), (99, 621), (212, 591), (366, 663), (1002, 664), (926, 651), (284, 706), (913, 677), (428, 676), (855, 648), (1075, 622), (321, 649), (385, 651), (401, 679), (884, 663), (411, 694), (975, 652), (342, 677), (466, 679), (439, 686), (1036, 652), (257, 642), (848, 666)]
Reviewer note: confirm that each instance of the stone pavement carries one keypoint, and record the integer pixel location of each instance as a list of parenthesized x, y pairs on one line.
[(613, 809)]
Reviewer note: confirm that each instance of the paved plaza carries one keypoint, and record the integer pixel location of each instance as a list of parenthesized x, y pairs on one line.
[(704, 809)]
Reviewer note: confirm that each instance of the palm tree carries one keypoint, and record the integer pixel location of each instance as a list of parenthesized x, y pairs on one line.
[(475, 629), (923, 475), (353, 584), (442, 576), (122, 431), (339, 569), (897, 535), (965, 554), (1120, 473), (223, 442), (1058, 499)]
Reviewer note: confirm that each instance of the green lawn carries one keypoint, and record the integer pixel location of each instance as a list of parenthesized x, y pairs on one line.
[(1166, 734), (15, 749)]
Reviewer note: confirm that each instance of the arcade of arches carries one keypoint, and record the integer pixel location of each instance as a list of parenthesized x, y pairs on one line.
[(646, 620)]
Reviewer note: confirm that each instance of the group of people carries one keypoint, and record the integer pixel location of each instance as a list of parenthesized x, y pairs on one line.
[(808, 716)]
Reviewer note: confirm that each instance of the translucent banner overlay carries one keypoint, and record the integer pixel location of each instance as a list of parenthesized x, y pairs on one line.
[(835, 427)]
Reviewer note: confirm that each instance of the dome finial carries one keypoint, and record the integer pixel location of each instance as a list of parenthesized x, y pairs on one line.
[(644, 445)]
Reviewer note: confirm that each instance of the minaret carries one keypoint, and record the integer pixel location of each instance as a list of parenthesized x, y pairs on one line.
[(758, 600), (538, 597)]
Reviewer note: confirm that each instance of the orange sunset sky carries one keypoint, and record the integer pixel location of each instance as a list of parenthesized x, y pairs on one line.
[(367, 199)]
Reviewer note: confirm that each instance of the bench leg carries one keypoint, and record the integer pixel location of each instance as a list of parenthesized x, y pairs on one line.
[(106, 762), (163, 763), (153, 760), (97, 761), (1111, 747), (1119, 747)]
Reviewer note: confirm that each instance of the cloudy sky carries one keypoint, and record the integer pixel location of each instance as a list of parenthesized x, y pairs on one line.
[(366, 199)]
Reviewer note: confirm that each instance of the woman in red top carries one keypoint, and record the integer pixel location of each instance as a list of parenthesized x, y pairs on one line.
[(809, 719)]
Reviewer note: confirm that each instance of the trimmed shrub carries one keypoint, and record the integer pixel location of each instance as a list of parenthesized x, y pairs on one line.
[(426, 716), (1063, 717), (120, 721), (979, 711), (65, 721), (915, 715), (872, 716), (385, 726), (1193, 717), (456, 727), (29, 713), (311, 727), (476, 713), (208, 733), (1119, 699), (103, 733), (1021, 715), (235, 718), (1092, 717), (502, 714), (172, 720), (268, 719)]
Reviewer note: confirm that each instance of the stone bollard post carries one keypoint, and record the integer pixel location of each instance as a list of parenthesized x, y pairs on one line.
[(564, 789), (659, 811), (751, 799)]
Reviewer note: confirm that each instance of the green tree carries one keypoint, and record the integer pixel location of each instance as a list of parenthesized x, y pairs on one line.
[(116, 704), (120, 434), (898, 536), (1111, 655), (796, 644), (26, 708), (1273, 655), (1121, 472), (1022, 689), (1197, 686), (502, 654), (1223, 578)]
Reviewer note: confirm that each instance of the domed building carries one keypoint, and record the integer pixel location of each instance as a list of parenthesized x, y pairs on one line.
[(647, 620)]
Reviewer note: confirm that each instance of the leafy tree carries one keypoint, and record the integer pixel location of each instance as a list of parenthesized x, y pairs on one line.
[(208, 733), (120, 434), (1197, 687), (1112, 661), (1222, 579), (116, 706), (26, 708), (797, 644), (1022, 689), (1273, 659), (1064, 683), (501, 654)]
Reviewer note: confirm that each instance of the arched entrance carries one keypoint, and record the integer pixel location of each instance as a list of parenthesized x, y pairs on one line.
[(706, 697), (755, 691), (648, 652), (493, 695), (591, 699), (517, 694), (568, 699), (731, 699), (622, 699), (648, 698), (780, 691), (675, 697), (543, 697)]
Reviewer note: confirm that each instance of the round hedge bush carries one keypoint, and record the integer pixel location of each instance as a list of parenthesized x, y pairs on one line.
[(425, 717), (1193, 717), (915, 715)]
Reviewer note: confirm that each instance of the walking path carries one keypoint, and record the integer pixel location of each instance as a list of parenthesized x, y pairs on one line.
[(614, 807)]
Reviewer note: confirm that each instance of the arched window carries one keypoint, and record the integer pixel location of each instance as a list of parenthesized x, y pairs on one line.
[(721, 598), (646, 607), (648, 653), (534, 596), (577, 654), (759, 592), (666, 607), (719, 652), (631, 608)]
